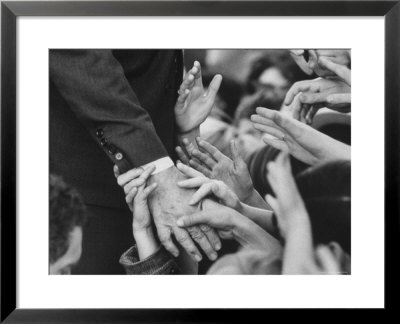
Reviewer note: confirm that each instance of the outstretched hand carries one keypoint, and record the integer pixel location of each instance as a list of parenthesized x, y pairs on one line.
[(215, 165), (231, 225), (194, 104), (305, 98), (206, 187), (288, 205), (302, 141)]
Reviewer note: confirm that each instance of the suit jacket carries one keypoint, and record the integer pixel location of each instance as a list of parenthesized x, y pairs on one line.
[(110, 107)]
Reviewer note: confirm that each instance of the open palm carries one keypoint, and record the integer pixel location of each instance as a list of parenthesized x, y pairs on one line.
[(194, 104)]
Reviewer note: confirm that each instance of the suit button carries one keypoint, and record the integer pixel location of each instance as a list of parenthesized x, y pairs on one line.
[(119, 156), (112, 149), (103, 142), (172, 271), (99, 133)]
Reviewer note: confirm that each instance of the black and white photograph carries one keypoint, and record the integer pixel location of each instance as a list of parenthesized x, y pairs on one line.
[(200, 161), (178, 161)]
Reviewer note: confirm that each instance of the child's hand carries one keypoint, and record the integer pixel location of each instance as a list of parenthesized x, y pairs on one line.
[(194, 104), (288, 204), (141, 213), (131, 181), (137, 193)]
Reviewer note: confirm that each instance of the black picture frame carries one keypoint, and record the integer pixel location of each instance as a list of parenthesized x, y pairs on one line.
[(10, 11)]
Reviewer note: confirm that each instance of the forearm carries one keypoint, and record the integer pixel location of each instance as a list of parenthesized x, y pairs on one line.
[(262, 217), (247, 233), (190, 136), (256, 200), (298, 246), (146, 242), (338, 151)]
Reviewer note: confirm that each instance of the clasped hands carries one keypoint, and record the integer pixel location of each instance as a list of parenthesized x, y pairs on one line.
[(166, 201)]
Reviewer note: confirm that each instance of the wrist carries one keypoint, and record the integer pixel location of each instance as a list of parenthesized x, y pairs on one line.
[(297, 222), (250, 196), (189, 135), (143, 232)]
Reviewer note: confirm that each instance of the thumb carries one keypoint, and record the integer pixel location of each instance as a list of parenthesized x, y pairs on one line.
[(194, 219), (339, 98), (214, 87)]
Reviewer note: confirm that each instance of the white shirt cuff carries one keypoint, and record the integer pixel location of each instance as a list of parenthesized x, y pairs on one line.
[(160, 164)]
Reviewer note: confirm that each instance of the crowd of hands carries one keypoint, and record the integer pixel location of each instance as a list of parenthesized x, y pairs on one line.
[(209, 197)]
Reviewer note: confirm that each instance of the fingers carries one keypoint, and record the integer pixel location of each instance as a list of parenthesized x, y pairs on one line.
[(194, 219), (213, 88), (164, 235), (183, 238), (287, 124), (123, 179), (199, 167), (139, 181), (302, 63), (116, 171), (276, 143), (181, 155), (303, 112), (180, 102), (199, 237), (295, 90), (265, 121), (214, 152), (297, 52), (188, 171), (189, 146), (148, 190), (273, 203), (130, 196), (327, 260), (312, 98), (310, 114), (193, 182), (341, 71), (187, 82), (204, 191), (198, 82), (212, 236), (338, 99), (313, 59), (269, 130), (204, 158)]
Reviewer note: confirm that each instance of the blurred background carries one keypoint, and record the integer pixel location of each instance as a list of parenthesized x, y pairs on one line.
[(251, 79)]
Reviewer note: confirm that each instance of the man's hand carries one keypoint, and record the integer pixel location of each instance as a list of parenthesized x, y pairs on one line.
[(169, 202), (194, 104)]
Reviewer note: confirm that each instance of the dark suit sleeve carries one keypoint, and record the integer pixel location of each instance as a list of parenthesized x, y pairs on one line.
[(93, 84)]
